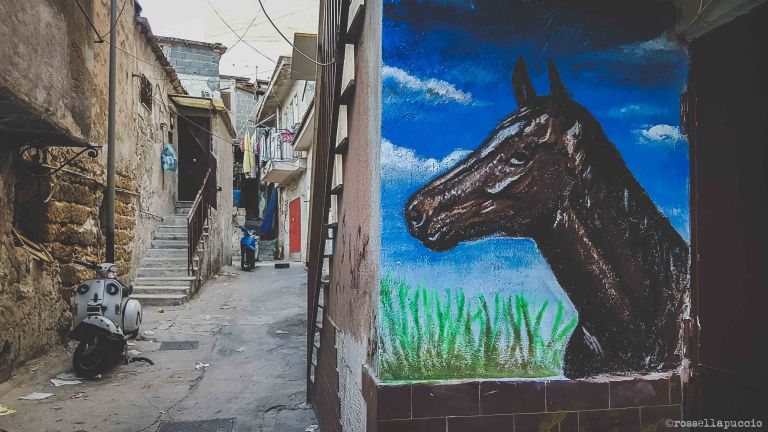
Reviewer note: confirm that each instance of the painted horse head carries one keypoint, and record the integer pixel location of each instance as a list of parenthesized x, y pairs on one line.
[(516, 179)]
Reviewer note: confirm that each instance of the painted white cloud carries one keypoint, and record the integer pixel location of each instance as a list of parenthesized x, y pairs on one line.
[(433, 89), (662, 133), (659, 44), (402, 162)]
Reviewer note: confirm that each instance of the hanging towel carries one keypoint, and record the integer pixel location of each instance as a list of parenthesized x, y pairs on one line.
[(256, 154), (247, 155)]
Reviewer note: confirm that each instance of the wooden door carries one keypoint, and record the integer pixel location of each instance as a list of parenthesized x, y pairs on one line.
[(294, 227), (729, 187)]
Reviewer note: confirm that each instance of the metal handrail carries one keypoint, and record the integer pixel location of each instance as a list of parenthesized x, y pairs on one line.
[(196, 221)]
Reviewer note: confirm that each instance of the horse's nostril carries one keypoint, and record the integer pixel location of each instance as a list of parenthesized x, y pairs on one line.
[(416, 216)]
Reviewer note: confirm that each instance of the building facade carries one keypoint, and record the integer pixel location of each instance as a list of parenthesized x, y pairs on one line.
[(286, 149), (54, 106), (196, 63), (488, 254)]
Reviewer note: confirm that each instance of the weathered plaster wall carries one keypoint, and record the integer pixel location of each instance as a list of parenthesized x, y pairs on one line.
[(47, 53), (354, 282)]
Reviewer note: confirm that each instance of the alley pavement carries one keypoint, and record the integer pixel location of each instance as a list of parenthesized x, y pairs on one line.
[(249, 366)]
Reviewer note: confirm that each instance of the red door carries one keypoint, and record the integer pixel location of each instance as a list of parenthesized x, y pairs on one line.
[(294, 228)]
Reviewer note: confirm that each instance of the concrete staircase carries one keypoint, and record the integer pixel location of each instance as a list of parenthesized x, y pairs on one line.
[(162, 279)]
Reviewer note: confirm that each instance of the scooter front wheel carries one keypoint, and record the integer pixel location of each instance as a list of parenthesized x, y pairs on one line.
[(91, 359)]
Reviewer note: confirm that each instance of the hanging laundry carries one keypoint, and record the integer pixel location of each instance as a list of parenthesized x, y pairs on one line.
[(247, 155), (168, 158), (256, 144)]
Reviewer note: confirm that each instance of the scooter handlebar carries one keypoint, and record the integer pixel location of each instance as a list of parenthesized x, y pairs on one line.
[(86, 264)]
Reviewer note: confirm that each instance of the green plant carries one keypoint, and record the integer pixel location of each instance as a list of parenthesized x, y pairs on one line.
[(428, 336)]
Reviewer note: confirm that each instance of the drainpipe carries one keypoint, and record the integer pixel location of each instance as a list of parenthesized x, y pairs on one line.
[(110, 197)]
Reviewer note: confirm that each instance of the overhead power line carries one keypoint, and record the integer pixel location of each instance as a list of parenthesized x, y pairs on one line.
[(291, 43), (240, 38)]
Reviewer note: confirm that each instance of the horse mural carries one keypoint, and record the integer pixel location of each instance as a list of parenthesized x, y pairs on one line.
[(549, 173)]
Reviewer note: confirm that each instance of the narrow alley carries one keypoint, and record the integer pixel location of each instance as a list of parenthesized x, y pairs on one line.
[(250, 330)]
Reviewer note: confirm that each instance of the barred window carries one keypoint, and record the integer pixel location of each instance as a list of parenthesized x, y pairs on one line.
[(145, 92)]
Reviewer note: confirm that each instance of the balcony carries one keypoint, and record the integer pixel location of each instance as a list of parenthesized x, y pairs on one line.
[(284, 171)]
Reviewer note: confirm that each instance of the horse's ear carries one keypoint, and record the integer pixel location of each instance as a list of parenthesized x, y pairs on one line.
[(522, 84), (556, 88)]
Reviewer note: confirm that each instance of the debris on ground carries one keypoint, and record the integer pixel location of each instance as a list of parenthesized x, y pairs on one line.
[(149, 333), (281, 332), (225, 307), (133, 353), (78, 395), (36, 396), (67, 376), (311, 428), (4, 410), (241, 349), (201, 365), (160, 310), (131, 344), (59, 382)]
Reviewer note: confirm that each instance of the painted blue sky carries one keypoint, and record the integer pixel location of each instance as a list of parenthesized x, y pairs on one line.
[(447, 83)]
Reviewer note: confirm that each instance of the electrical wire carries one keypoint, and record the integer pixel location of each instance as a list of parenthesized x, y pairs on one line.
[(90, 22), (244, 33), (290, 43), (240, 38), (293, 12), (117, 20)]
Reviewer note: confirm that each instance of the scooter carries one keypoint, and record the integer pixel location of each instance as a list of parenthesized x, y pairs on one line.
[(249, 249), (105, 318)]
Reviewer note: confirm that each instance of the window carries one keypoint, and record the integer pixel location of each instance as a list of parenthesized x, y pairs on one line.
[(227, 98), (145, 92)]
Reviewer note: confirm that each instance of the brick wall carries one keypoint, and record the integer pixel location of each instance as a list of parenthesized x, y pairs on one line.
[(619, 403)]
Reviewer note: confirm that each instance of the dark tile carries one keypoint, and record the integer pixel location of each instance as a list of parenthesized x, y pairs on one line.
[(414, 425), (547, 422), (576, 395), (494, 423), (394, 402), (675, 389), (459, 399), (370, 393), (639, 392), (510, 397), (656, 418), (624, 420)]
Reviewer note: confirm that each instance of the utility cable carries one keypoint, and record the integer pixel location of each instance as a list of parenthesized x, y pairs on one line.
[(90, 22), (117, 20), (240, 38), (293, 12), (244, 33), (290, 43)]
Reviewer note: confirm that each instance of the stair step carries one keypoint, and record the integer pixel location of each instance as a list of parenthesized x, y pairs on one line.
[(169, 244), (161, 289), (162, 280), (166, 253), (149, 262), (170, 235), (160, 299), (175, 220), (172, 228), (162, 271)]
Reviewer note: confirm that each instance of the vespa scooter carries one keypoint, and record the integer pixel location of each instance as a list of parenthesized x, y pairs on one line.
[(105, 318), (249, 249)]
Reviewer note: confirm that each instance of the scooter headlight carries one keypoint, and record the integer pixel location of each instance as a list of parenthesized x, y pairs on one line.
[(112, 289), (83, 289), (112, 272)]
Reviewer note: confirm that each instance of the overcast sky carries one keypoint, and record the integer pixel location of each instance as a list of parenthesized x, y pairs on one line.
[(196, 19)]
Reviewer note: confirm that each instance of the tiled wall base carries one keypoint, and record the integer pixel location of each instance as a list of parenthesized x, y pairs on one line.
[(609, 404)]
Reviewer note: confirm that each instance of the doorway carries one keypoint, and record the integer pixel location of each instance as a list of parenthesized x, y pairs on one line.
[(194, 155), (294, 229)]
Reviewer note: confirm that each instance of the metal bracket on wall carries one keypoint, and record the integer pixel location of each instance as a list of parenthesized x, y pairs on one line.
[(34, 159)]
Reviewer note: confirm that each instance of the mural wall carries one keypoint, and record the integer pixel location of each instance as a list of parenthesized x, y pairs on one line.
[(534, 190)]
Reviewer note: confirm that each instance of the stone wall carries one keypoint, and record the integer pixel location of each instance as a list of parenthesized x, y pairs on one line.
[(64, 213)]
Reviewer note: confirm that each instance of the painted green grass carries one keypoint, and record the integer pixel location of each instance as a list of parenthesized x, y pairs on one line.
[(424, 335)]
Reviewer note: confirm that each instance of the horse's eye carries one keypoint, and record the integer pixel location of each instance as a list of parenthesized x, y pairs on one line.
[(519, 158)]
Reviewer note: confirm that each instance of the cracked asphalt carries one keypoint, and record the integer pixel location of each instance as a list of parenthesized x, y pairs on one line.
[(251, 329)]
